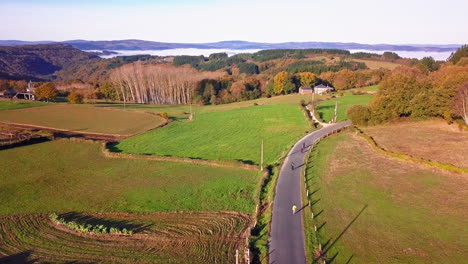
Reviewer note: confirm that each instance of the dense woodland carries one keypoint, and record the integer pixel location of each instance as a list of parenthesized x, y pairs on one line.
[(420, 92)]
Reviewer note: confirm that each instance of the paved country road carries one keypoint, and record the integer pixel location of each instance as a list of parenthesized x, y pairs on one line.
[(287, 232)]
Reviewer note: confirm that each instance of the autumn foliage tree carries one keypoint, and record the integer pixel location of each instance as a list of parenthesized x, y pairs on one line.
[(460, 106), (360, 115), (307, 79), (75, 98), (46, 92), (282, 83)]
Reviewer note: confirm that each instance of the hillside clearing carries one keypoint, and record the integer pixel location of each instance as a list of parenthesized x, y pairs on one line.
[(375, 64), (83, 118), (65, 175), (424, 139), (225, 135), (413, 214)]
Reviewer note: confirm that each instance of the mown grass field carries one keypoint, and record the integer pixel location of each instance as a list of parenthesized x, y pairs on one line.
[(326, 109), (413, 214), (424, 139), (234, 134), (64, 175), (83, 118), (182, 111), (181, 237), (8, 104)]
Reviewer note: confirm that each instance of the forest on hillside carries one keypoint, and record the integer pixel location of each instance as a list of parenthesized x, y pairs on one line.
[(215, 79)]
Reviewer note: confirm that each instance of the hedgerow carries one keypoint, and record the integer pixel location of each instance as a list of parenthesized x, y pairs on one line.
[(89, 228)]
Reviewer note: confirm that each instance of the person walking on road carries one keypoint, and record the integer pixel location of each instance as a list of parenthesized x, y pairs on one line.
[(294, 207), (292, 165)]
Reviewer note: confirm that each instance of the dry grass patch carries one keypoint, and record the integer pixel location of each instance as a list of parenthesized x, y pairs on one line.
[(375, 64), (83, 118), (414, 214), (433, 140)]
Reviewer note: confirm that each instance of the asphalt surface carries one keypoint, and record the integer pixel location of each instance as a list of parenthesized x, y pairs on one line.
[(287, 232)]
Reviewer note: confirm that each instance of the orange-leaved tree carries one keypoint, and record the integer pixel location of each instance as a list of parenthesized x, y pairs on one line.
[(47, 92)]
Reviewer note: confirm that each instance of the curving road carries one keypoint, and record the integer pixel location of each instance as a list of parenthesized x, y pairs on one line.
[(287, 233)]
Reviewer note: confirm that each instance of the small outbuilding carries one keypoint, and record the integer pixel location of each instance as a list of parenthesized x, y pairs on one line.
[(306, 90), (321, 89), (10, 93)]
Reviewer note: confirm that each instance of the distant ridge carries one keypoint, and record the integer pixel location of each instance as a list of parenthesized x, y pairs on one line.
[(135, 44)]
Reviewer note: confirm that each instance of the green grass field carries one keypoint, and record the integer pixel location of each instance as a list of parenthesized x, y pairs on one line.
[(83, 118), (326, 109), (372, 88), (225, 135), (63, 176), (8, 105), (181, 111), (413, 214)]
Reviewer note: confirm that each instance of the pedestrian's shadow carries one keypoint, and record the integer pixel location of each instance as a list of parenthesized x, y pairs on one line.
[(303, 207)]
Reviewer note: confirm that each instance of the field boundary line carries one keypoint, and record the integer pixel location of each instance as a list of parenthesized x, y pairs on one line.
[(408, 158), (224, 164), (73, 133)]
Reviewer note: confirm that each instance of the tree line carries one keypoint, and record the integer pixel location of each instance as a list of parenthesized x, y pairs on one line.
[(412, 92)]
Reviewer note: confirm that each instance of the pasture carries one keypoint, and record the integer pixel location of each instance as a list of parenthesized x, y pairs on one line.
[(181, 237), (83, 118), (376, 64), (234, 134), (18, 104), (182, 111), (413, 214), (65, 175), (424, 139), (326, 109)]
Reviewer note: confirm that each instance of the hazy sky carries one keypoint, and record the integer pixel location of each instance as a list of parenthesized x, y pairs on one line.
[(364, 21)]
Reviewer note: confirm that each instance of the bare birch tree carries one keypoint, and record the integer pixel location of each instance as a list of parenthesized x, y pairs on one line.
[(158, 84)]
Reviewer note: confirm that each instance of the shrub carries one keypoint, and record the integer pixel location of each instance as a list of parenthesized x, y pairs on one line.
[(97, 229), (359, 115), (164, 115), (75, 98)]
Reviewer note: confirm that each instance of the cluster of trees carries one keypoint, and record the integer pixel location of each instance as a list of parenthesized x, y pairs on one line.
[(318, 67), (158, 84), (266, 55), (286, 83), (460, 56), (217, 61), (347, 79), (228, 90), (412, 92), (19, 86)]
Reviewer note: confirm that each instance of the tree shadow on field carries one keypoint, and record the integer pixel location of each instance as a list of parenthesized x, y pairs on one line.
[(20, 258), (112, 147), (88, 219), (249, 162), (327, 246)]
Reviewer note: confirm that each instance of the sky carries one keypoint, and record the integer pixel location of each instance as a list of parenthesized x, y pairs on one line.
[(187, 21)]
